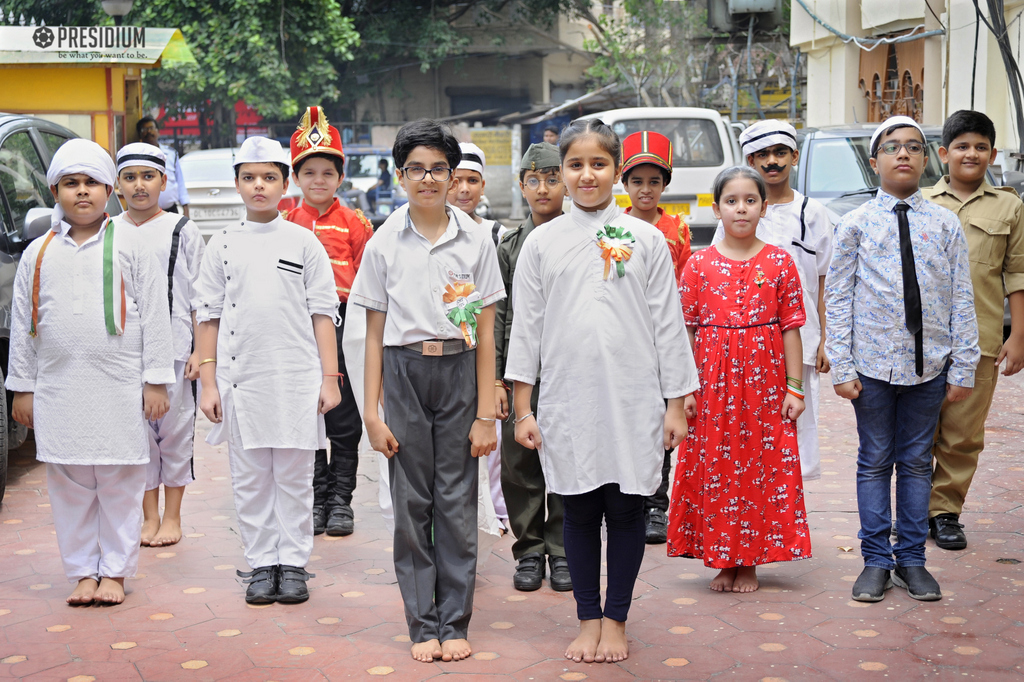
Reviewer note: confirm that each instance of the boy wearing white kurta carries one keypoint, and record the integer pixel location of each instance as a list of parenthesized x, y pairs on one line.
[(90, 346), (800, 226), (266, 339), (178, 246)]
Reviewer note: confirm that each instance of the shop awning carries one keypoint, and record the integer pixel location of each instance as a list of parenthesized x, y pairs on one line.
[(104, 45)]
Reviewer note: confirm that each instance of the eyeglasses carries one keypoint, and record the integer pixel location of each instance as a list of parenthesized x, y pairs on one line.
[(891, 148), (417, 173), (551, 181)]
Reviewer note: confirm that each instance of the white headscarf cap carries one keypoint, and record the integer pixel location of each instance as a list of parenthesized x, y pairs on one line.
[(79, 156), (767, 133), (142, 154), (477, 164)]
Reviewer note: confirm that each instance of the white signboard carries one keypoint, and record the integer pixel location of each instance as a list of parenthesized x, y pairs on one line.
[(91, 45)]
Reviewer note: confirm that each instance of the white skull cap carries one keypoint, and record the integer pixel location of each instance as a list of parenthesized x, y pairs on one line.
[(262, 150), (889, 123), (472, 157)]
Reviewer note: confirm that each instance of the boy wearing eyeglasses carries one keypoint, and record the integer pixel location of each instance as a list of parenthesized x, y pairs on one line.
[(902, 336), (538, 534), (429, 282)]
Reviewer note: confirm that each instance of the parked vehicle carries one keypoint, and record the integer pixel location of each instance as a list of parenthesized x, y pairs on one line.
[(703, 144), (26, 146)]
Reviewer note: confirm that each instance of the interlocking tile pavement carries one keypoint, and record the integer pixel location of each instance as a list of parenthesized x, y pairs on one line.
[(185, 619)]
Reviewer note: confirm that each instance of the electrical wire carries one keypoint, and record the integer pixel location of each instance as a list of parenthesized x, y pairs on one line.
[(997, 25), (873, 42)]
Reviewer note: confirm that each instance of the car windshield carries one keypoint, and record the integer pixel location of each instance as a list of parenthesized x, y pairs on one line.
[(202, 168), (364, 165), (695, 141), (839, 165)]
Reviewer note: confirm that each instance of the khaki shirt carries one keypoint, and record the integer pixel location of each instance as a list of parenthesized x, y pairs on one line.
[(993, 221)]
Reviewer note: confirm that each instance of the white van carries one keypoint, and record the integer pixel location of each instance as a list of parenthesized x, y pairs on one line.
[(703, 145)]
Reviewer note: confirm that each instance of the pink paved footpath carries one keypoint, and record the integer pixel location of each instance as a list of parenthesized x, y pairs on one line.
[(185, 619)]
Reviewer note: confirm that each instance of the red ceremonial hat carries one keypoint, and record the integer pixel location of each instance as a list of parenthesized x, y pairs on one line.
[(315, 136), (647, 147)]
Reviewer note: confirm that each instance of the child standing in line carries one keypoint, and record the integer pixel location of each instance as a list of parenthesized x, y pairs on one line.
[(738, 497), (175, 240), (269, 368), (646, 172), (429, 281), (89, 364), (897, 354), (598, 319)]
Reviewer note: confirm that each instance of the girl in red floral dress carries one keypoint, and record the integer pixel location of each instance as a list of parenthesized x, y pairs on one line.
[(738, 496)]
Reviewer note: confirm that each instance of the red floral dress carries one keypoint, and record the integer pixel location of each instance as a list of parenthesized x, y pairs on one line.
[(738, 496)]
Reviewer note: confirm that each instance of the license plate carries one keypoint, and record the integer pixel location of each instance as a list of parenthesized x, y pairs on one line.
[(228, 212)]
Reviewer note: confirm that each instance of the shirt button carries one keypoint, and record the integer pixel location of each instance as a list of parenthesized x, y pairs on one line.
[(232, 333), (225, 231), (225, 246), (229, 276), (232, 357), (225, 262), (234, 385), (232, 305)]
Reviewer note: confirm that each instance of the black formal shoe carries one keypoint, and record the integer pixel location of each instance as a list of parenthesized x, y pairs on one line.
[(262, 583), (657, 526), (319, 519), (871, 584), (560, 579), (340, 521), (918, 583), (529, 573), (291, 587), (947, 531)]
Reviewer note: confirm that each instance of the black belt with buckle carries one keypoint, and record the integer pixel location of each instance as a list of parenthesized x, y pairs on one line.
[(438, 347)]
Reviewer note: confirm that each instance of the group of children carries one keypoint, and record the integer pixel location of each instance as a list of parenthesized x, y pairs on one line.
[(584, 322)]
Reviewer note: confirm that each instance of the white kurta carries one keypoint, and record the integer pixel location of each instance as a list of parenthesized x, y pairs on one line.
[(88, 384), (609, 352), (264, 281)]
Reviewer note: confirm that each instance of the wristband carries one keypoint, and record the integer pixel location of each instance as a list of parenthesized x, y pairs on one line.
[(795, 393), (795, 383), (523, 418), (485, 419), (207, 360)]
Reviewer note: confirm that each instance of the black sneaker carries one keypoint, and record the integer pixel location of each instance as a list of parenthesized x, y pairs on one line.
[(529, 573), (340, 521), (291, 588), (560, 579), (657, 526), (262, 583), (918, 583), (947, 531), (319, 519), (871, 584)]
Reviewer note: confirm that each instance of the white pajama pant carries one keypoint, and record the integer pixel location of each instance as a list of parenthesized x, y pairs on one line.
[(273, 490), (97, 515), (807, 428), (170, 438)]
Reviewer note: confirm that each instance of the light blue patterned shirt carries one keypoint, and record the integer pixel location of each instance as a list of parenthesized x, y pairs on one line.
[(866, 328)]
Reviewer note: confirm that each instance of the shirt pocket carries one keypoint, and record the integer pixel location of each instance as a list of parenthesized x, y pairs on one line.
[(986, 239)]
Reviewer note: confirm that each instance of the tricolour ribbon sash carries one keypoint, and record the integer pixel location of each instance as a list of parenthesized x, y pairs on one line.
[(463, 303), (616, 244)]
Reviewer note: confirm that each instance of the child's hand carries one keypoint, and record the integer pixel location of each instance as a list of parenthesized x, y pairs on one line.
[(675, 423), (1013, 351), (380, 436), (690, 406), (330, 394), (955, 394), (210, 403), (849, 389), (528, 433), (192, 366), (155, 402), (823, 365), (500, 401), (484, 438), (792, 407), (21, 408)]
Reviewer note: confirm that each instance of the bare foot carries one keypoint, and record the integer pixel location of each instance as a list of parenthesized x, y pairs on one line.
[(110, 591), (169, 533), (613, 647), (84, 593), (426, 652), (455, 649), (584, 648), (149, 530), (746, 579), (724, 580)]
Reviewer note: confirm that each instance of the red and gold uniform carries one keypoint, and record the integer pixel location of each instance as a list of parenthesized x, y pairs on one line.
[(677, 234), (344, 233)]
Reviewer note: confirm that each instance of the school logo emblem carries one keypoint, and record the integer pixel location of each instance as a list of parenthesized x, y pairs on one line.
[(42, 37)]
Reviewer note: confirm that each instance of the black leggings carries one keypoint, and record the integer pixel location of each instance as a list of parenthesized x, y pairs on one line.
[(624, 517)]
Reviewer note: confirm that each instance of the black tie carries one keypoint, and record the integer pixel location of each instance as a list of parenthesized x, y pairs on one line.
[(911, 290)]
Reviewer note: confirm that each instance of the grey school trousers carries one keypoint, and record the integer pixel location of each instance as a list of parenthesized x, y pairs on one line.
[(430, 405)]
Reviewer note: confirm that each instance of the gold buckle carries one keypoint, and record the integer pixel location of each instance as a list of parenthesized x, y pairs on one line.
[(433, 348)]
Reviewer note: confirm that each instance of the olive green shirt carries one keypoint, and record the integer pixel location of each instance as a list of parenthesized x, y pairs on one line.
[(993, 221), (508, 254)]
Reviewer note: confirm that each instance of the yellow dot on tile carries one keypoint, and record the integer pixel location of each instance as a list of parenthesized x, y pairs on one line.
[(771, 616), (44, 505), (58, 628), (220, 518), (315, 557), (219, 478), (194, 590), (140, 576), (829, 473), (194, 664), (389, 549), (380, 670), (485, 656), (865, 633), (967, 650), (25, 552), (953, 620), (353, 594), (259, 606), (401, 638), (196, 492), (329, 620), (687, 576), (82, 678), (161, 616), (839, 519), (980, 522), (166, 555), (40, 586), (772, 647), (301, 650), (223, 567), (502, 625), (995, 541), (374, 571), (680, 630), (11, 522), (572, 676), (858, 604), (14, 659), (228, 633), (773, 679), (849, 578), (121, 646), (771, 590), (684, 601), (196, 535), (4, 612), (516, 597), (873, 666), (676, 662), (842, 537)]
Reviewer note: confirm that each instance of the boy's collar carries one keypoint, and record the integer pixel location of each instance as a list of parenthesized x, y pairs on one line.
[(64, 226), (311, 208), (943, 187), (888, 201)]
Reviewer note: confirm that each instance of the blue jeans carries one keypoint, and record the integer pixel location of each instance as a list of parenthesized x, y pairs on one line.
[(896, 426)]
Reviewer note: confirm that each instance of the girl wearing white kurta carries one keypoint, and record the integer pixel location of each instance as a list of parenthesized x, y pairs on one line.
[(598, 318)]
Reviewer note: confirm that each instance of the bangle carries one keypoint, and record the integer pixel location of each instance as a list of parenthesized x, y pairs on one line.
[(207, 360), (485, 419), (500, 384), (338, 374), (795, 393), (523, 418), (795, 383)]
